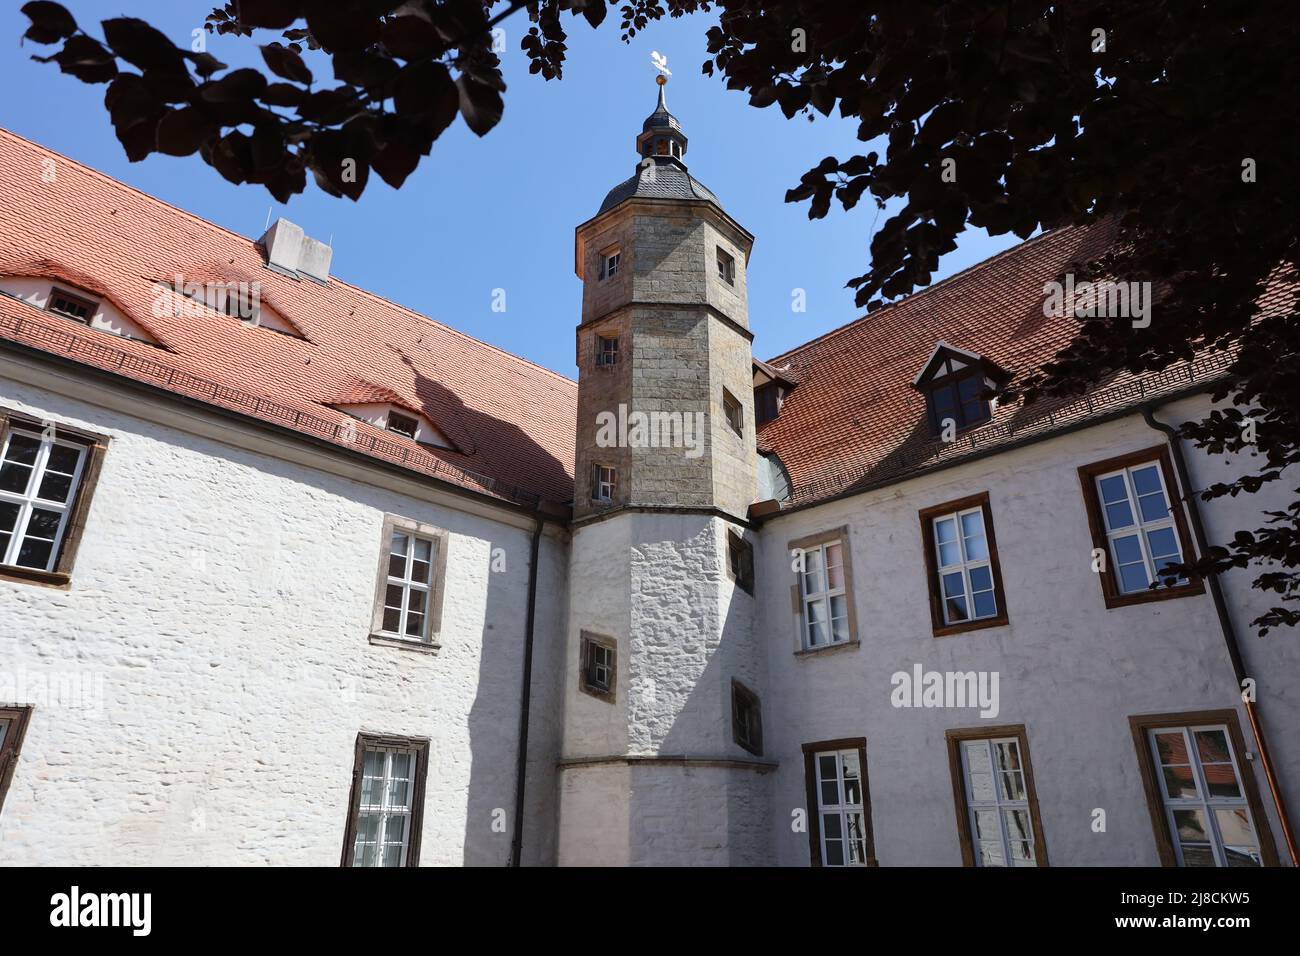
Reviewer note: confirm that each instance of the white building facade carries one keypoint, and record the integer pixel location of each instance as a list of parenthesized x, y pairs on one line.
[(242, 624)]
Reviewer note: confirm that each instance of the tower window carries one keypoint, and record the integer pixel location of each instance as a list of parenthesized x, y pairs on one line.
[(598, 666), (726, 267), (403, 425), (740, 561), (767, 403), (661, 147), (71, 306), (609, 264), (606, 350), (604, 483), (734, 411), (746, 718)]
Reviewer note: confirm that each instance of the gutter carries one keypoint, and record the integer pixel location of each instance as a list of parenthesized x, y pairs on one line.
[(1225, 624), (525, 697)]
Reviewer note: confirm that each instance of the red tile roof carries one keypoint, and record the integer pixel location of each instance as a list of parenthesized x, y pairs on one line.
[(511, 421), (854, 421)]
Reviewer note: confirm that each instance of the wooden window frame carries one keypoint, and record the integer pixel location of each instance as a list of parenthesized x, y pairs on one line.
[(437, 585), (419, 746), (587, 640), (954, 740), (1097, 527), (841, 535), (79, 510), (91, 305), (813, 798), (1140, 724), (939, 626), (404, 416), (953, 380), (12, 747), (733, 412), (740, 560), (742, 696)]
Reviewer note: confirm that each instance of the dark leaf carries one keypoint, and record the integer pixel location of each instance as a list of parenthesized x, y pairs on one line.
[(271, 14), (411, 37), (342, 24), (283, 94), (480, 105), (141, 45), (83, 58), (181, 132), (285, 63), (50, 22), (205, 64)]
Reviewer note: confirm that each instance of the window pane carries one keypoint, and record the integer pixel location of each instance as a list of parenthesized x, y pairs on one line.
[(1243, 856), (414, 624), (1152, 507), (949, 554), (392, 619), (35, 554), (986, 604), (393, 596), (55, 487), (1234, 827), (43, 523), (977, 548), (1212, 746), (1021, 834), (835, 576), (1146, 480), (834, 852), (1118, 515), (1112, 489), (1133, 577), (417, 600), (22, 448), (826, 767), (397, 566), (833, 826), (972, 524), (1198, 854), (986, 825), (1191, 825), (1179, 782), (834, 556), (14, 477), (8, 516), (981, 579), (946, 529), (63, 458)]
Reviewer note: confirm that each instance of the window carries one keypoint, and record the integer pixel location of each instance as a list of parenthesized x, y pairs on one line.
[(1136, 527), (47, 477), (740, 561), (961, 556), (596, 666), (413, 569), (997, 807), (71, 306), (604, 483), (386, 806), (734, 411), (959, 398), (606, 350), (1205, 809), (823, 593), (403, 425), (13, 727), (661, 147), (726, 267), (609, 264), (746, 718), (839, 831), (767, 403)]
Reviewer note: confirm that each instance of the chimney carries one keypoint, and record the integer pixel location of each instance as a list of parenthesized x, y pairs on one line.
[(292, 252)]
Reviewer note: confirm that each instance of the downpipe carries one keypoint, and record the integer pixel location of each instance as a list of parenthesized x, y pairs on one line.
[(525, 699)]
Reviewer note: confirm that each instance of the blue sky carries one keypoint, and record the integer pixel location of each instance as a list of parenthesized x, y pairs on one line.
[(499, 212)]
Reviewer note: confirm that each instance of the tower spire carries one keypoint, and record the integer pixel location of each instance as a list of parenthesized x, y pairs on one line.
[(661, 134)]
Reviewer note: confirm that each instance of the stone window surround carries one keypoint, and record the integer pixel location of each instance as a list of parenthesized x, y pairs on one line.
[(12, 746), (742, 696), (96, 447), (1142, 723), (927, 517), (840, 534), (1111, 593), (419, 746), (954, 739), (733, 412), (740, 560), (587, 639), (810, 751), (437, 586)]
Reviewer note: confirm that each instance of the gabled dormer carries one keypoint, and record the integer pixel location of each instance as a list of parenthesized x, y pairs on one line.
[(388, 411), (957, 385), (76, 304), (771, 385)]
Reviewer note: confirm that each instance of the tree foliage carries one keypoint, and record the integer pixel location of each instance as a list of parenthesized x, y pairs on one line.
[(1171, 119)]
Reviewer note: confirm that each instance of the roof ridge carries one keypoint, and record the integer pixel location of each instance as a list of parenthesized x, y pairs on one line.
[(916, 295), (117, 183)]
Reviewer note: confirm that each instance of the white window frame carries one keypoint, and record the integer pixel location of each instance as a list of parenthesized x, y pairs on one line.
[(29, 500), (600, 658), (1140, 528), (808, 599), (609, 263), (726, 266), (1000, 803), (384, 810), (606, 357), (843, 809), (964, 565), (432, 589), (606, 486), (1202, 801)]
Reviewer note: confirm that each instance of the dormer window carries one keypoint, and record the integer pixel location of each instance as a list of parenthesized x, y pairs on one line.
[(956, 384), (606, 351), (403, 425), (71, 306), (609, 264)]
